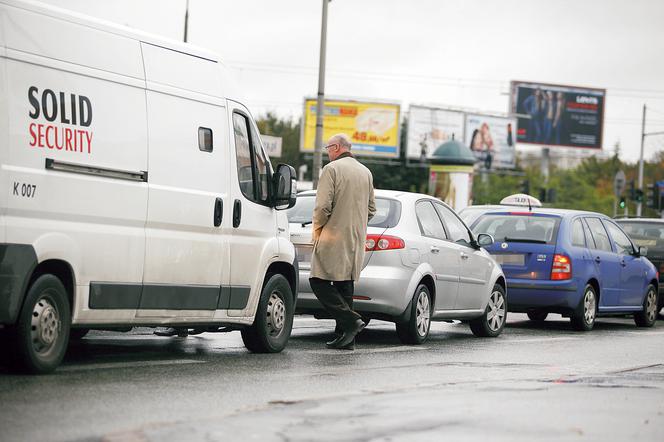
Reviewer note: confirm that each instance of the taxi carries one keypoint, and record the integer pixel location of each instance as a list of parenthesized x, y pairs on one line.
[(574, 263)]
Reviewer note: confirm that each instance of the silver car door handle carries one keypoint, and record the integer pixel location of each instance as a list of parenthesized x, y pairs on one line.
[(464, 256), (435, 249)]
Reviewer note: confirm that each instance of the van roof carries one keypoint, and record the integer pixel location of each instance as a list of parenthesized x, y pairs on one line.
[(108, 26)]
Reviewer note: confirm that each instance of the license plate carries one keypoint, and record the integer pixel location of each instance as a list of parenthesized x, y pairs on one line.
[(511, 259)]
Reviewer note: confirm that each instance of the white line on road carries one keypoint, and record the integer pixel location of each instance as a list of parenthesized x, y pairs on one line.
[(133, 364), (401, 348), (545, 339)]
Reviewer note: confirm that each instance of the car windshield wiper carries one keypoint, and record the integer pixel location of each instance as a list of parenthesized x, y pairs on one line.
[(306, 223), (537, 241)]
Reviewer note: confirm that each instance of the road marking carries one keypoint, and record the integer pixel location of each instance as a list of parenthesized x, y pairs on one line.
[(562, 338), (401, 348), (133, 364)]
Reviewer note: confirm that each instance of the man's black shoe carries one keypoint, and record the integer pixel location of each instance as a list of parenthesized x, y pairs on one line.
[(349, 336), (333, 343)]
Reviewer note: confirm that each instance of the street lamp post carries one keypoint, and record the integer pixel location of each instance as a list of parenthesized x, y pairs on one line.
[(318, 154)]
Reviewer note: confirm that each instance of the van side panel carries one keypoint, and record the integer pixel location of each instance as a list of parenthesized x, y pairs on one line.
[(58, 39), (185, 250), (71, 128)]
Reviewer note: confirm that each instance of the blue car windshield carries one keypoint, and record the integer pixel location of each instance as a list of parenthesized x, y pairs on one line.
[(519, 228)]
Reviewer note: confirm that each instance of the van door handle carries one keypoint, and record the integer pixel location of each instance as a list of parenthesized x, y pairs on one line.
[(218, 211), (435, 249), (237, 213), (464, 255)]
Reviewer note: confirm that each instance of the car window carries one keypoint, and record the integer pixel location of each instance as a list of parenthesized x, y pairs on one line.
[(244, 157), (578, 237), (388, 211), (599, 234), (623, 244), (647, 234), (430, 224), (518, 227), (456, 230), (262, 167)]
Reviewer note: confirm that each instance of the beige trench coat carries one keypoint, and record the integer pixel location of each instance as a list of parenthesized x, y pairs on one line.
[(344, 204)]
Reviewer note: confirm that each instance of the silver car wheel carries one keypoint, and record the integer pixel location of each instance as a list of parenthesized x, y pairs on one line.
[(423, 313), (496, 315), (45, 325), (276, 314), (589, 307), (651, 305)]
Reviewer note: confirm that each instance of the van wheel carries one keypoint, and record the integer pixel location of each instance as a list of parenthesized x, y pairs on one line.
[(583, 317), (42, 331), (274, 318), (648, 316), (537, 316), (492, 322), (416, 330)]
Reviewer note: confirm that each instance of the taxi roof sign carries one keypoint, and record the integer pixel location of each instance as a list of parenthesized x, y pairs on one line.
[(521, 200)]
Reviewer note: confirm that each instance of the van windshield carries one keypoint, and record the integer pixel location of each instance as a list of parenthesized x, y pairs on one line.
[(388, 211), (519, 228)]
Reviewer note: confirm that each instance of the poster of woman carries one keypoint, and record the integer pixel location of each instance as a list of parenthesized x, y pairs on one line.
[(491, 140)]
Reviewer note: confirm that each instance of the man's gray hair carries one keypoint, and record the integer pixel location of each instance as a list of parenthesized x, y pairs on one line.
[(343, 141)]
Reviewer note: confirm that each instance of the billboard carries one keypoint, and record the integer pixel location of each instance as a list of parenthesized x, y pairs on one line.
[(429, 127), (492, 140), (372, 127), (556, 115), (272, 145)]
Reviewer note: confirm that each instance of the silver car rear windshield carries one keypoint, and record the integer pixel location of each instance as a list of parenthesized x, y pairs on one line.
[(388, 211), (519, 228)]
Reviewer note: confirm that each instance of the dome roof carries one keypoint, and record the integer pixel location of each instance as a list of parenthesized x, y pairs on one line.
[(453, 152)]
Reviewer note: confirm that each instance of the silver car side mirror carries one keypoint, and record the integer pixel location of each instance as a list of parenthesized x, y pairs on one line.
[(484, 239)]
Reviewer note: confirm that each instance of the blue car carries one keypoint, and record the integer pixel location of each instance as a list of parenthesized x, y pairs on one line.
[(578, 264)]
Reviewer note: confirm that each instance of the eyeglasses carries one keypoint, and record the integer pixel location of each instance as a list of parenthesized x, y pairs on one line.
[(330, 145)]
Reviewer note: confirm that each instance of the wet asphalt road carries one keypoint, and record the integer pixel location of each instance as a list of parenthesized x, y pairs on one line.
[(536, 381)]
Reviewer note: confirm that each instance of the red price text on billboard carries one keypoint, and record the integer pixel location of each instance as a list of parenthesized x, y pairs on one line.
[(369, 138)]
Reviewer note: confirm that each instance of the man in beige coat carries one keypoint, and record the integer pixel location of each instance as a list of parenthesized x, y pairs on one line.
[(344, 205)]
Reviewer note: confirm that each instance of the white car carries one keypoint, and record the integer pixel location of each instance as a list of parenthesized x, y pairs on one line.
[(422, 263)]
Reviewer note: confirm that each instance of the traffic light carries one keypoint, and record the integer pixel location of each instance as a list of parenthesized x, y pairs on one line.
[(638, 195), (622, 202), (653, 198), (525, 186)]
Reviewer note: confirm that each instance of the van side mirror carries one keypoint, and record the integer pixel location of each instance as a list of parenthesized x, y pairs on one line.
[(484, 239), (642, 251), (284, 187)]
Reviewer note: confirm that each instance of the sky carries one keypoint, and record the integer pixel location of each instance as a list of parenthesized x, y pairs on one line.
[(448, 53)]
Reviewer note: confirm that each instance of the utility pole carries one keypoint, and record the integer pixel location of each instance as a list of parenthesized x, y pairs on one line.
[(318, 148), (186, 21), (643, 137)]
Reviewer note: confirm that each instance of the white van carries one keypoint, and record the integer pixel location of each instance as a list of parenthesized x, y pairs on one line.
[(135, 190)]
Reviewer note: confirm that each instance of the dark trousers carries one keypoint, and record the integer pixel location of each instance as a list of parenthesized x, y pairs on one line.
[(337, 298)]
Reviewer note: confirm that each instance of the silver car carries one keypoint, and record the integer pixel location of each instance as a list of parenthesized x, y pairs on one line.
[(422, 263)]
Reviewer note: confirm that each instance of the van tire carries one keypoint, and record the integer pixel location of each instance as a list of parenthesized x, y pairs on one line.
[(41, 333), (485, 326), (415, 331), (582, 318), (648, 316), (274, 318)]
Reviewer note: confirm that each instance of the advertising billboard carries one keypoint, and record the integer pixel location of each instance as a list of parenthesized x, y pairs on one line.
[(372, 127), (492, 140), (556, 115), (429, 127)]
